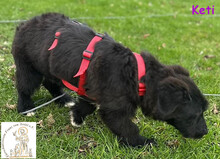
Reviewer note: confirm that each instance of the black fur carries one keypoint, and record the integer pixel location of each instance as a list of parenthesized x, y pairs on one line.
[(112, 80)]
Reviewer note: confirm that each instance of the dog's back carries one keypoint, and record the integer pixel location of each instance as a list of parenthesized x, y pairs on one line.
[(34, 37)]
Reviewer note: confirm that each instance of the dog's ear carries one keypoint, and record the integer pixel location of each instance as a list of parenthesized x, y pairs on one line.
[(172, 93), (179, 70)]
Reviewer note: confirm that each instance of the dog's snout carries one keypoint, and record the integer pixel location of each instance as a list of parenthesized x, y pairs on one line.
[(200, 134)]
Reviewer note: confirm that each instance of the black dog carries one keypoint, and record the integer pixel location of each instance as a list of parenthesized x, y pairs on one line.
[(112, 80)]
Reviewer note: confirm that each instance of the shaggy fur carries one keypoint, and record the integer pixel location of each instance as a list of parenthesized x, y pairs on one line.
[(112, 80)]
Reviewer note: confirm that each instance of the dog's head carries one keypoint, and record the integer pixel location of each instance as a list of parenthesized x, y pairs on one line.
[(177, 100), (181, 104)]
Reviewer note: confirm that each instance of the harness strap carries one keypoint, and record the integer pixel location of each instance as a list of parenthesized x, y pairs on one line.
[(141, 73), (55, 42), (87, 55), (70, 86)]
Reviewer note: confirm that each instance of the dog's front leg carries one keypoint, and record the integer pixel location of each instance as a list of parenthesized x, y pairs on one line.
[(119, 123), (79, 112)]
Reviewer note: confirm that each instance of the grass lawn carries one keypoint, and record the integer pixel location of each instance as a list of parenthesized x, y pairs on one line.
[(178, 38)]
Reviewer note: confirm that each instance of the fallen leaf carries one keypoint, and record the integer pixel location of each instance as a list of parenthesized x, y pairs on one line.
[(209, 68), (81, 149), (146, 35), (1, 59), (70, 130), (92, 144), (215, 110), (209, 56), (87, 147), (163, 45), (11, 106), (40, 123), (50, 120), (173, 143), (85, 138), (201, 52)]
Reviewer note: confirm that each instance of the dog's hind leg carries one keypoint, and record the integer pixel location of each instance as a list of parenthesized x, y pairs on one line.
[(27, 81), (79, 112), (56, 90)]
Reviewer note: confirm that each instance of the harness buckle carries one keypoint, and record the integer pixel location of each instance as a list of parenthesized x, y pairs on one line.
[(87, 55)]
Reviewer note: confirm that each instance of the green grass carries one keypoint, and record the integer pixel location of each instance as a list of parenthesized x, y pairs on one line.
[(187, 38)]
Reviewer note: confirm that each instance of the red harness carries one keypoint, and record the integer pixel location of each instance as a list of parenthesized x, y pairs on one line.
[(141, 73), (87, 55)]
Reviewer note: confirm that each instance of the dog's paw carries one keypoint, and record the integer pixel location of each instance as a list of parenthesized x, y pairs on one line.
[(73, 122), (138, 141), (69, 104), (30, 114)]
